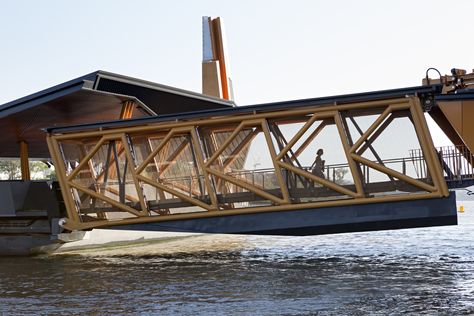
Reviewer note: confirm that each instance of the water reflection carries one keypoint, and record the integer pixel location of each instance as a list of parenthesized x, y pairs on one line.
[(419, 271)]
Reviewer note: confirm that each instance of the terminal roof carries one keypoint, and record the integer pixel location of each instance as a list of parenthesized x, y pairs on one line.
[(93, 98)]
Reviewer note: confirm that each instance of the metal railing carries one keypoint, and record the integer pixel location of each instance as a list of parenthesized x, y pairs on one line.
[(456, 162)]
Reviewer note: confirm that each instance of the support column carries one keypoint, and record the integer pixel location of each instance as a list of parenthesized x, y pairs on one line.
[(127, 110), (24, 164)]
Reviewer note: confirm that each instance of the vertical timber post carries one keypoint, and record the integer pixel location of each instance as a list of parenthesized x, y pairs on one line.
[(25, 166), (427, 146), (346, 143), (72, 213)]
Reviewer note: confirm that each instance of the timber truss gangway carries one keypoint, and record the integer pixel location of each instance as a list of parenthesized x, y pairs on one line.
[(198, 171)]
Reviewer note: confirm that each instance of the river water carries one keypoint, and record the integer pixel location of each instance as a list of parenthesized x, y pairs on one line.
[(417, 271)]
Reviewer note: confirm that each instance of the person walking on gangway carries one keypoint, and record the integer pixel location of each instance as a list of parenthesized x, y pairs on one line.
[(317, 168)]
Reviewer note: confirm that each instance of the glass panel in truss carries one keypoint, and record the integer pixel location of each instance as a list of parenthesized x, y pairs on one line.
[(74, 151), (319, 152), (161, 202), (175, 166), (395, 145), (92, 208), (108, 173), (246, 159)]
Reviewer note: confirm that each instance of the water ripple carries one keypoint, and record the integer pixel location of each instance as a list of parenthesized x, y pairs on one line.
[(415, 272)]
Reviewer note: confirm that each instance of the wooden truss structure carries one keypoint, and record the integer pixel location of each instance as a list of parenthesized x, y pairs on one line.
[(197, 168)]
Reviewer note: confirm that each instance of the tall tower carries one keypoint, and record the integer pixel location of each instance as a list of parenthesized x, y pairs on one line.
[(215, 77)]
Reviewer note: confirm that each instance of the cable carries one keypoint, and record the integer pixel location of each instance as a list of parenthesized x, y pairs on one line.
[(426, 74)]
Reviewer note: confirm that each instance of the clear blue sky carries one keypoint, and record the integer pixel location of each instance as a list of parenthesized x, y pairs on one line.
[(279, 50)]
